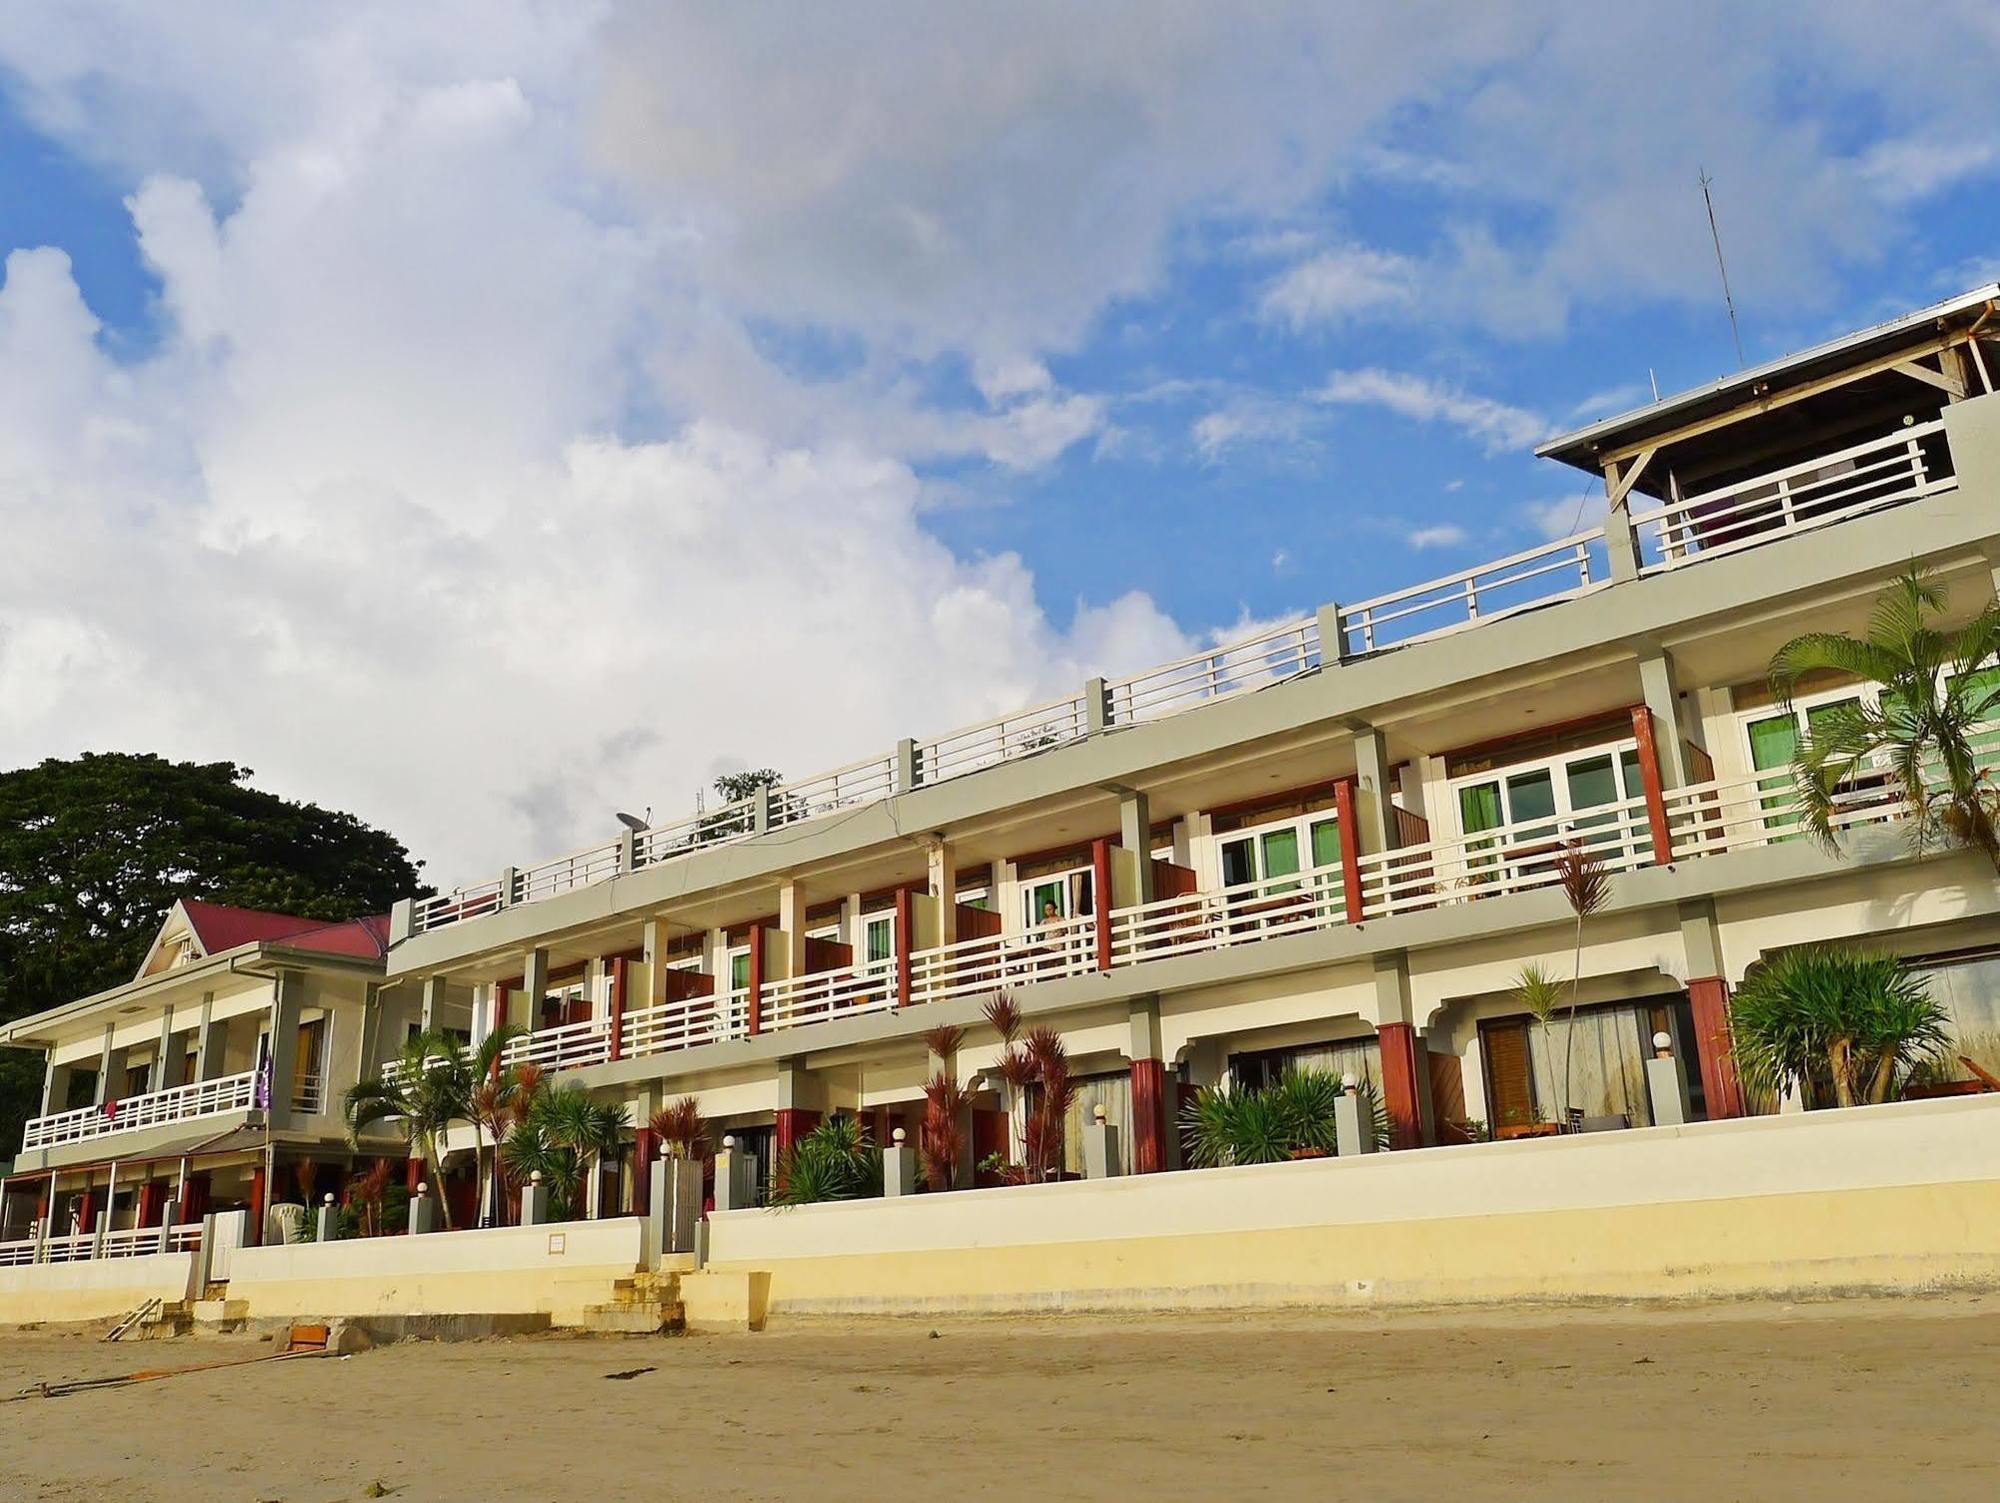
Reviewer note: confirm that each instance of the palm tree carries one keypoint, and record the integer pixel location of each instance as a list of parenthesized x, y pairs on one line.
[(1934, 700), (490, 1107), (563, 1135), (1827, 1021), (422, 1097)]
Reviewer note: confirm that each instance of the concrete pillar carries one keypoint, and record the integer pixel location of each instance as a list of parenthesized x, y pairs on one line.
[(907, 770), (1374, 808), (735, 1175), (534, 987), (534, 1201), (105, 1062), (163, 1054), (1620, 541), (1096, 706), (287, 997), (1100, 1148), (211, 1041), (657, 942), (55, 1087), (943, 882), (1332, 640), (1665, 1084), (1708, 1000), (433, 1002), (1353, 1120), (326, 1224), (792, 927), (1658, 684), (899, 1167), (1135, 834)]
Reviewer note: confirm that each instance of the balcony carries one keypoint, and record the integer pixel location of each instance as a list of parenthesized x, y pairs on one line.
[(1896, 468), (207, 1098)]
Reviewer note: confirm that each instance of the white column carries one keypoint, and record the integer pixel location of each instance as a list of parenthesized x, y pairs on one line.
[(944, 888)]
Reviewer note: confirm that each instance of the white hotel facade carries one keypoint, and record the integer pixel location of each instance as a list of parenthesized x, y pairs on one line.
[(1331, 844)]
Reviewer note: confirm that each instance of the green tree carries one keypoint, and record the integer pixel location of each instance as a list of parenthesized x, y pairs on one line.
[(1839, 1025), (431, 1088), (1937, 691), (95, 850), (563, 1135)]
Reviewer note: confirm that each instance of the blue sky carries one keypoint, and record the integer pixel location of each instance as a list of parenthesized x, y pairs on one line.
[(484, 423)]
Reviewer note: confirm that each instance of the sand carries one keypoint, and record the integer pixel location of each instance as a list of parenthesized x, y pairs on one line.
[(1850, 1399)]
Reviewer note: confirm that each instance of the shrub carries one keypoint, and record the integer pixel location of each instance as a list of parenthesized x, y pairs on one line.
[(1838, 1025)]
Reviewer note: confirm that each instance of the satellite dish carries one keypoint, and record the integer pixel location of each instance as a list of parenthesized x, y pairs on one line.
[(632, 822)]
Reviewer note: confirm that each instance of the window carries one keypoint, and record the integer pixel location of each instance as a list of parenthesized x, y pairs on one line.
[(739, 969), (1575, 795), (1260, 860), (1773, 740), (975, 897), (878, 938), (1057, 899)]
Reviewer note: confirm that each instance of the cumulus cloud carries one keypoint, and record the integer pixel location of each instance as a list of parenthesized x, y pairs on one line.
[(1496, 425), (1339, 284)]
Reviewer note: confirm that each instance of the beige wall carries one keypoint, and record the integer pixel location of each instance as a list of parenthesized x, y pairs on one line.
[(555, 1270), (1901, 1197), (95, 1290)]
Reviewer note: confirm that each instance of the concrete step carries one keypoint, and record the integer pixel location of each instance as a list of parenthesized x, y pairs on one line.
[(636, 1318), (228, 1314)]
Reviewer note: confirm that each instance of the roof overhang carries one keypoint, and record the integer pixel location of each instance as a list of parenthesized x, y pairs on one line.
[(1763, 383), (38, 1030)]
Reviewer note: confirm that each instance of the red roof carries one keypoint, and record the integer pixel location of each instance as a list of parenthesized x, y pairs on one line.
[(218, 927)]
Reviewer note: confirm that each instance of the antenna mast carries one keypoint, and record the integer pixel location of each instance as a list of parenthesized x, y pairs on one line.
[(1716, 235)]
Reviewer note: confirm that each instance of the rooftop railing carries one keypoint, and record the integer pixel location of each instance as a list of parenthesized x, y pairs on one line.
[(1895, 468)]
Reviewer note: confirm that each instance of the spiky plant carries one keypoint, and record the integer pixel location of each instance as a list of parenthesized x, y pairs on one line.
[(682, 1132), (1004, 1014), (1832, 1022), (943, 1040), (835, 1161), (1042, 1138), (1293, 1117), (563, 1135), (1540, 994), (940, 1137), (1934, 701)]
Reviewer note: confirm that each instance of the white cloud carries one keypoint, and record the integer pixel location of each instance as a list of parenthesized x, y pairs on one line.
[(1497, 426), (1246, 419), (1560, 516), (1621, 398), (1907, 170), (1442, 535), (1339, 284)]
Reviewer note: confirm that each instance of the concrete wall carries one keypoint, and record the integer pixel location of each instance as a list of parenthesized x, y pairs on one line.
[(554, 1270), (97, 1290), (1899, 1197)]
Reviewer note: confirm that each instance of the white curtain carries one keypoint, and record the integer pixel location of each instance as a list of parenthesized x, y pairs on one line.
[(1114, 1094), (1969, 990), (1607, 1067), (1361, 1058)]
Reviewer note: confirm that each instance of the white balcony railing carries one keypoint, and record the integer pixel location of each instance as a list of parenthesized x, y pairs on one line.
[(20, 1253), (685, 1023), (1881, 472), (795, 1001), (1896, 468), (568, 1047), (207, 1098), (309, 1094), (987, 966), (1226, 916)]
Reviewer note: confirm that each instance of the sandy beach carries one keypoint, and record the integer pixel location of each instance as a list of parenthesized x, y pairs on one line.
[(1751, 1401)]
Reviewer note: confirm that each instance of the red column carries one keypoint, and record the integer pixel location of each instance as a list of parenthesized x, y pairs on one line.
[(149, 1203), (257, 1206), (1649, 778), (413, 1174), (1402, 1066), (1708, 999), (905, 916), (1350, 847), (1149, 1116), (645, 1149), (198, 1194), (756, 978), (794, 1122), (86, 1213), (1100, 897), (500, 990), (618, 1001)]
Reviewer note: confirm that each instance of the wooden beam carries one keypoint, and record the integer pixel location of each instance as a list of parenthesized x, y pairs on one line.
[(1780, 399), (1620, 486), (1932, 378)]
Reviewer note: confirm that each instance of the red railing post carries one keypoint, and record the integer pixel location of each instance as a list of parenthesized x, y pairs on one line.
[(1100, 897), (906, 909), (1350, 848), (1649, 777)]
